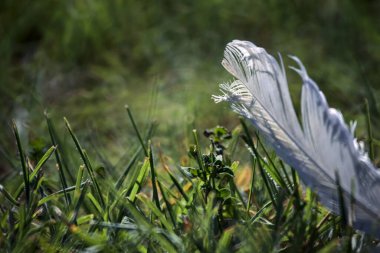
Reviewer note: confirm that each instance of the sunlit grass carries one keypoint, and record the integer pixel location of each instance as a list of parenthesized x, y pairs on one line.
[(64, 200), (98, 187)]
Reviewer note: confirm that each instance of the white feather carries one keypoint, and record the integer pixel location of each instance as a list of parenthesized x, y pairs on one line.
[(322, 151)]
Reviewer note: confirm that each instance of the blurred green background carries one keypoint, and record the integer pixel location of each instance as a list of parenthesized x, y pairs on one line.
[(86, 59)]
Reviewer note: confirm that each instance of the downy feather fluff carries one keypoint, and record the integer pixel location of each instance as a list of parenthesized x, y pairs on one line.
[(322, 150)]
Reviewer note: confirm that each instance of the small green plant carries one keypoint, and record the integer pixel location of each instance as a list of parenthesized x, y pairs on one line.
[(214, 168), (215, 172)]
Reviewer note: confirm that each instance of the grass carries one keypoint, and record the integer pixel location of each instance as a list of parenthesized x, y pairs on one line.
[(67, 203), (141, 178)]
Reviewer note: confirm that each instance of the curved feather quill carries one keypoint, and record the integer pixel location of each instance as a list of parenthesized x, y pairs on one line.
[(322, 151)]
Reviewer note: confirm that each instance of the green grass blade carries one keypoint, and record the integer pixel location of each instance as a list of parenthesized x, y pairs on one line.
[(157, 212), (77, 190), (96, 204), (59, 153), (153, 178), (296, 193), (136, 129), (80, 201), (178, 186), (58, 194), (76, 141), (86, 162), (93, 178), (199, 154), (260, 212), (168, 205), (128, 168), (273, 170), (25, 171), (149, 133), (138, 182), (8, 196), (119, 195), (41, 162), (85, 219), (249, 142)]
